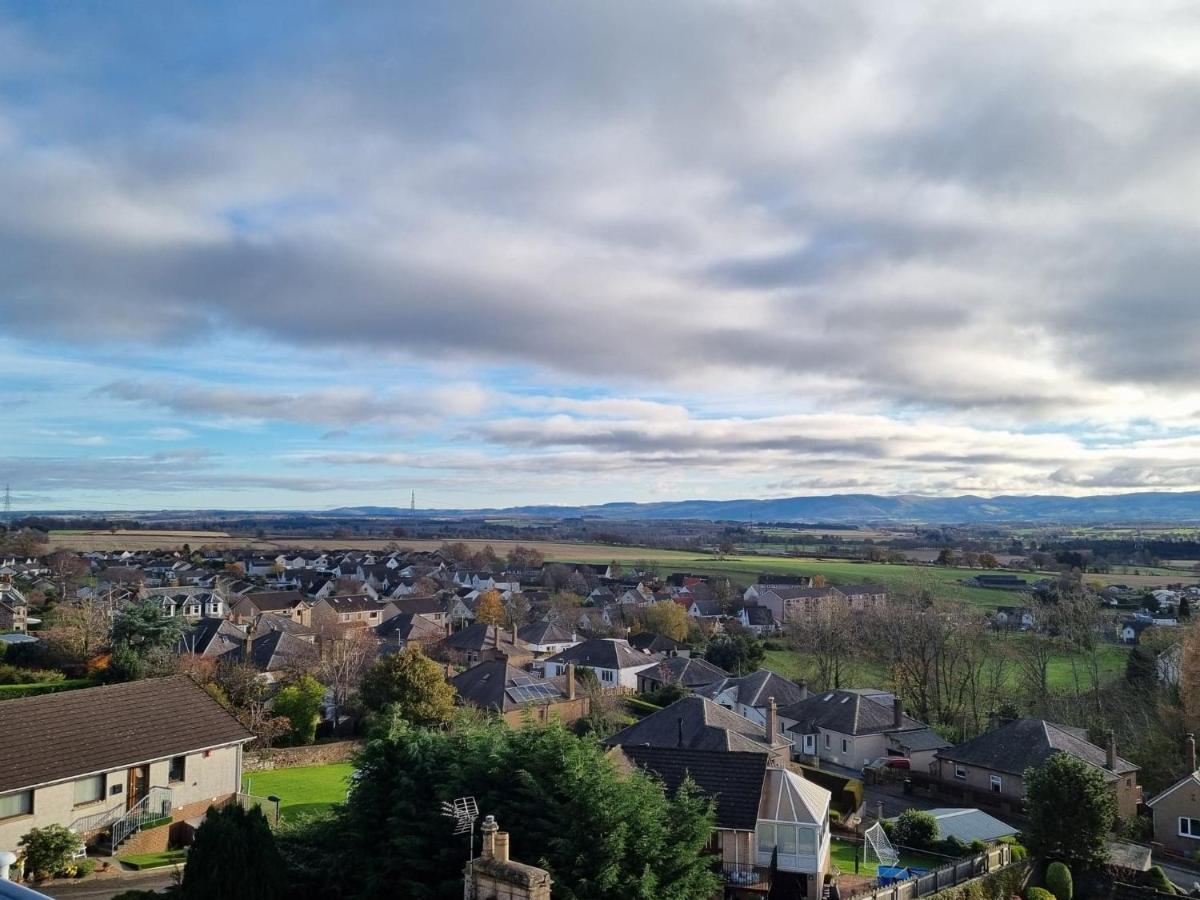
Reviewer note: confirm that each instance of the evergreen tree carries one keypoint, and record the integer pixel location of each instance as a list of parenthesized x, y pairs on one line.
[(412, 684), (300, 704), (234, 857), (1070, 811)]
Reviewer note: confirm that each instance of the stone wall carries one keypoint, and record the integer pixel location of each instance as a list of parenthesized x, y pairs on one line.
[(290, 757)]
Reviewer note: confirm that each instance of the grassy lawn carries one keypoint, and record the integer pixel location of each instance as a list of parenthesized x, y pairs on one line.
[(842, 855), (307, 789), (155, 860), (13, 691)]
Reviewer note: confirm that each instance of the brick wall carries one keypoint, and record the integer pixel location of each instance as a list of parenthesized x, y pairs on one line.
[(150, 840), (290, 757)]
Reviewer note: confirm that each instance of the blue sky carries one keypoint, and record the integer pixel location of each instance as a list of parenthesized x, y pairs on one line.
[(305, 255)]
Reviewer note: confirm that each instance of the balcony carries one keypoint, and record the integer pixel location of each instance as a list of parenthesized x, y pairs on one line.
[(750, 878)]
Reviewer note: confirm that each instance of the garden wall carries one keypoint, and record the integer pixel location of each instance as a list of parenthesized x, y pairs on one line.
[(291, 757)]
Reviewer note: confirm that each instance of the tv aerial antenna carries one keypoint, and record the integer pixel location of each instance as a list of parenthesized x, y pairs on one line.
[(464, 811)]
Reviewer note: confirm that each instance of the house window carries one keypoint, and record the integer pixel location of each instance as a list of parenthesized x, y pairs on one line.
[(960, 772), (89, 790), (1187, 827), (607, 675), (18, 804), (787, 840), (996, 783), (845, 746), (828, 743), (178, 770), (766, 838)]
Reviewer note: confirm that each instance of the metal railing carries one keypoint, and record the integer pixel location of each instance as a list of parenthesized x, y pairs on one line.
[(97, 821), (742, 875), (155, 805)]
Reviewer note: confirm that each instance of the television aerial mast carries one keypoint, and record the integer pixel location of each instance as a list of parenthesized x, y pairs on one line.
[(464, 811)]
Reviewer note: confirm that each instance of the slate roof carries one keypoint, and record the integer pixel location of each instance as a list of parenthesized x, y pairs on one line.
[(697, 724), (603, 653), (353, 603), (655, 643), (409, 627), (760, 616), (1027, 743), (268, 622), (733, 779), (969, 825), (691, 673), (62, 736), (425, 606), (276, 650), (211, 637), (275, 601), (497, 685), (544, 633), (755, 688), (478, 637), (846, 712)]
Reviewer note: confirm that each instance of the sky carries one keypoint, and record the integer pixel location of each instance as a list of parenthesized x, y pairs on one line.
[(307, 255)]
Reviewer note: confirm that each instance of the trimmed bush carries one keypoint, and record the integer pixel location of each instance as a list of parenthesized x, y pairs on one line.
[(1058, 880), (49, 851), (915, 828), (1157, 879), (1037, 893)]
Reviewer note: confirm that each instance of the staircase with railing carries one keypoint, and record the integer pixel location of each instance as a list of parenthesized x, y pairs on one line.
[(154, 807)]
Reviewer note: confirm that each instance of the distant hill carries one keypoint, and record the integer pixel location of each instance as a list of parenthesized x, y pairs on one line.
[(1150, 506)]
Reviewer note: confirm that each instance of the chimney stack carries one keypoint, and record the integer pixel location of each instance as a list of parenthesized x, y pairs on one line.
[(1112, 751), (897, 713), (501, 851), (1189, 749), (570, 681), (803, 689), (488, 829), (772, 720), (679, 739)]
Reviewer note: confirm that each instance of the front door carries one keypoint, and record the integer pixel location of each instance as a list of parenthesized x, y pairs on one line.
[(810, 744), (139, 784)]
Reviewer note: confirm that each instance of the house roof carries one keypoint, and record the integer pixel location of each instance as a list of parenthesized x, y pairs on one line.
[(733, 779), (756, 688), (408, 627), (691, 673), (544, 633), (55, 737), (276, 650), (274, 601), (603, 653), (425, 606), (497, 685), (352, 603), (697, 724), (759, 615), (846, 712), (1027, 743), (1190, 779), (655, 643), (969, 825), (211, 637), (789, 797), (478, 637)]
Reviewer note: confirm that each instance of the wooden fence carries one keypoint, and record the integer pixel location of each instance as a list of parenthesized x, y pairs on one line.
[(947, 876)]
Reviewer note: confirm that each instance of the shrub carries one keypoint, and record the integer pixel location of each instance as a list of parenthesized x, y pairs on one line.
[(1157, 879), (1037, 893), (48, 851), (978, 846), (1058, 880), (84, 867), (1018, 851), (915, 828)]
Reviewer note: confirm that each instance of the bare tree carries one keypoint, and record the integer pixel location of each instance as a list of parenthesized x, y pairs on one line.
[(66, 571), (831, 637), (344, 661), (80, 629)]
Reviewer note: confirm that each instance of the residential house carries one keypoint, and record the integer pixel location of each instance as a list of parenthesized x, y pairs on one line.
[(404, 629), (658, 644), (546, 638), (750, 695), (1014, 617), (1176, 811), (1131, 631), (775, 582), (495, 876), (211, 638), (995, 762), (705, 610), (698, 724), (479, 642), (353, 611), (275, 654), (615, 664), (693, 674), (499, 688), (14, 609), (430, 607), (293, 604), (864, 596), (851, 728), (800, 602), (84, 759), (758, 619), (771, 824)]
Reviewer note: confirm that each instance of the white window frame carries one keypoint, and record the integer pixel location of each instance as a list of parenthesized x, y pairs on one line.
[(996, 784), (960, 772), (1189, 828)]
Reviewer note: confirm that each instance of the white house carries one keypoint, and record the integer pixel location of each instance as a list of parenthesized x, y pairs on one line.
[(615, 663)]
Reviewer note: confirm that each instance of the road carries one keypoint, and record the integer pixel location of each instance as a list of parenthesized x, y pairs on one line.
[(104, 887)]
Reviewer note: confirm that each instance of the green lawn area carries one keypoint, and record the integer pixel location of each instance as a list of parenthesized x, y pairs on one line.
[(13, 691), (842, 855), (155, 860), (307, 789)]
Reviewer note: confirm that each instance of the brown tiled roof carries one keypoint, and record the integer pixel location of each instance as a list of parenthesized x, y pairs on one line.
[(59, 736)]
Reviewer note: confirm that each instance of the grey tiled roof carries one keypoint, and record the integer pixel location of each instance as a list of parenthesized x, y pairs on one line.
[(697, 724), (733, 779), (1027, 743)]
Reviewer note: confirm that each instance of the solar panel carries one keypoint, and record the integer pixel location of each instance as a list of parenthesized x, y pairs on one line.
[(532, 692)]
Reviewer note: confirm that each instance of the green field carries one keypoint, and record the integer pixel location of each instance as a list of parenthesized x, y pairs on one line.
[(841, 854), (864, 674), (307, 789)]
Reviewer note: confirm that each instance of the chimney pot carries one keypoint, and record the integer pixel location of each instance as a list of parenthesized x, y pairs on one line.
[(1112, 751), (488, 829), (1189, 744), (772, 727), (803, 689), (500, 853), (897, 713), (570, 681)]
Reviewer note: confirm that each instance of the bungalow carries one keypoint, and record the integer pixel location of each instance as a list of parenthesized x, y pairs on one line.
[(408, 628), (709, 610), (995, 762), (293, 604), (1131, 631), (758, 619), (480, 642), (94, 759), (751, 695), (547, 638), (1014, 617), (851, 728), (501, 689), (771, 825), (693, 674), (615, 663), (658, 644), (1176, 811), (698, 724)]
